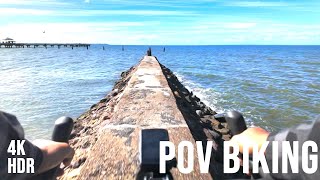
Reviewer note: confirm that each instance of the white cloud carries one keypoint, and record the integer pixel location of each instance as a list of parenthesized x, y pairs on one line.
[(255, 4), (18, 11), (238, 25), (81, 13), (109, 32), (150, 32), (123, 12), (223, 25), (32, 2), (199, 28), (158, 3)]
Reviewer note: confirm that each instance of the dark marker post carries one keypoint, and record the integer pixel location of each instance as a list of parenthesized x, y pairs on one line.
[(149, 52)]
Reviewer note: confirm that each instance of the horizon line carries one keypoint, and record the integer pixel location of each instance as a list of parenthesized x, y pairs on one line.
[(205, 44)]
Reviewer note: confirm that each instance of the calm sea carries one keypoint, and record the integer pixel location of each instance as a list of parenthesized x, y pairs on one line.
[(273, 86)]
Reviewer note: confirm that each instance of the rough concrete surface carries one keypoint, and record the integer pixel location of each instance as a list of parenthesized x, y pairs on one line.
[(106, 137)]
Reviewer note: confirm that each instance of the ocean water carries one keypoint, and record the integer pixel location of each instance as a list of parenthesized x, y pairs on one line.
[(273, 86)]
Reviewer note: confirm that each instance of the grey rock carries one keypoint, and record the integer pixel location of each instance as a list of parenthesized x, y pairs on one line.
[(201, 105), (86, 144), (79, 162), (114, 93), (188, 99), (200, 113), (106, 99), (224, 131), (195, 98), (116, 90), (215, 134)]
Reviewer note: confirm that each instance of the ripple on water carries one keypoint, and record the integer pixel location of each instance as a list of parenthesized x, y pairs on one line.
[(273, 86)]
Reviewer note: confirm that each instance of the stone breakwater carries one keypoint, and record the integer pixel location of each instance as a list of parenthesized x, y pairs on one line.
[(148, 95)]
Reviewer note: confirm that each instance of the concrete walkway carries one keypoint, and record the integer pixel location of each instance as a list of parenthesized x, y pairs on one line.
[(147, 102)]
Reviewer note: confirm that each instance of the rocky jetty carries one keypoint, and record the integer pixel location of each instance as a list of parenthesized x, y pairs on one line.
[(107, 131)]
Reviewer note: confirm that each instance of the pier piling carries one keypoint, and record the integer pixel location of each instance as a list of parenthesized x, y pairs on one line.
[(45, 45)]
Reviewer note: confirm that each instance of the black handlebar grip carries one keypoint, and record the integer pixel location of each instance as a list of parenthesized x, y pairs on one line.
[(62, 129), (237, 125), (235, 122), (61, 132)]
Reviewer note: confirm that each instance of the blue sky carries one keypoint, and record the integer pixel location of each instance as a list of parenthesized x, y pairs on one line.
[(163, 22)]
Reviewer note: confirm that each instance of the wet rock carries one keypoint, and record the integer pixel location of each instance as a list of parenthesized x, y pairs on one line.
[(108, 116), (78, 163), (86, 144), (224, 131), (195, 98), (199, 113), (209, 117), (216, 124), (188, 99), (101, 106), (84, 130), (124, 74), (201, 105), (114, 92), (105, 100), (93, 107), (185, 91), (177, 94), (224, 124), (215, 134), (208, 111)]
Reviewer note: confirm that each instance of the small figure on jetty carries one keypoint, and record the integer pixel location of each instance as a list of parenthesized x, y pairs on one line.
[(149, 52)]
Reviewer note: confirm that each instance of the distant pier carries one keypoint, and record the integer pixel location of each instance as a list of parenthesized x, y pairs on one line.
[(44, 45)]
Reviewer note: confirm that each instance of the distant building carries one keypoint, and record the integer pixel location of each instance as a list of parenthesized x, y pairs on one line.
[(8, 41)]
